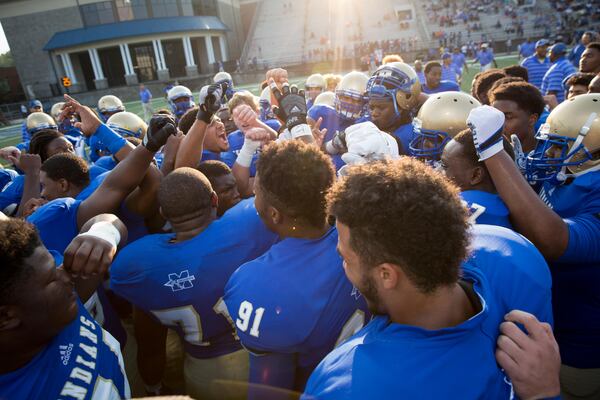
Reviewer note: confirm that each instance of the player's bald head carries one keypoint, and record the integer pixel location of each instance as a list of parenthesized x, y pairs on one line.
[(184, 194)]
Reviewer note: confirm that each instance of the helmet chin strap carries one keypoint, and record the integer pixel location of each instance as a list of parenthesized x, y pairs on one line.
[(562, 175)]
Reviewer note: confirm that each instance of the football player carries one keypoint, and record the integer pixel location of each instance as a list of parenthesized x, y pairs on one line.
[(223, 183), (393, 93), (127, 125), (35, 106), (433, 79), (180, 100), (407, 259), (225, 77), (186, 271), (289, 326), (315, 85), (51, 347), (561, 220), (108, 106)]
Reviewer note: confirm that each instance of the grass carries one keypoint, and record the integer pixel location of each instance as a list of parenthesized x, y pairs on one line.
[(11, 135)]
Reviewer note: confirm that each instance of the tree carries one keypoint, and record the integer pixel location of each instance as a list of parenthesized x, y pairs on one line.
[(6, 60)]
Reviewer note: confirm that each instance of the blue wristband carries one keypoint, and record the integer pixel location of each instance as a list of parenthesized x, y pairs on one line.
[(109, 138)]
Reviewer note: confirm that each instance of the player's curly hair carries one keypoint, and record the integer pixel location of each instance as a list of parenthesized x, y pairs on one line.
[(295, 178), (187, 120), (527, 96), (185, 193), (502, 81), (465, 138), (581, 78), (403, 212), (483, 81), (390, 58), (69, 167), (18, 240), (517, 71), (40, 141)]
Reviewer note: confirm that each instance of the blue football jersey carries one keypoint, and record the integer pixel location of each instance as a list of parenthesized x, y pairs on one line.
[(444, 86), (187, 278), (515, 268), (386, 360), (82, 362), (333, 123), (576, 274), (106, 162), (405, 134), (56, 222), (486, 208), (12, 192), (295, 299)]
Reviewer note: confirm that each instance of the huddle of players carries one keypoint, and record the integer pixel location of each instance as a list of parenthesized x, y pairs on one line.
[(266, 292)]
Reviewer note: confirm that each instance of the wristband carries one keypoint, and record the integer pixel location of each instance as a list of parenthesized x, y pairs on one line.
[(106, 231), (109, 138), (247, 152), (301, 130)]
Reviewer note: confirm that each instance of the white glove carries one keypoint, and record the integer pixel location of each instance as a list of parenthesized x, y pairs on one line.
[(520, 156), (367, 143), (486, 125)]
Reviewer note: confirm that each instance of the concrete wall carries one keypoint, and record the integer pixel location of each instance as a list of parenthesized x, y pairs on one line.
[(27, 35), (229, 12)]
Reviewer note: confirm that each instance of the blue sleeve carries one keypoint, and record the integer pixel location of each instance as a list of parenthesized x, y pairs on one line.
[(12, 192), (126, 273), (278, 370), (584, 239), (24, 134)]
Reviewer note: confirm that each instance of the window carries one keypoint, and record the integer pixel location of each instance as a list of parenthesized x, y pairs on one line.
[(98, 13), (131, 9), (164, 8), (187, 10)]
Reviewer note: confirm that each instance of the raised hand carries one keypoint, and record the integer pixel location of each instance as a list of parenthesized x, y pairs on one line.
[(244, 117), (30, 163), (486, 126), (31, 206), (89, 120), (292, 104), (12, 154), (160, 128), (209, 100), (279, 76)]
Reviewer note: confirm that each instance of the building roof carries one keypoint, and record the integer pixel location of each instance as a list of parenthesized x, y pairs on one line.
[(141, 27)]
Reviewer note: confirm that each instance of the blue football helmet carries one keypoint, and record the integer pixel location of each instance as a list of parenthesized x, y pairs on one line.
[(350, 100), (440, 118), (180, 99), (568, 144), (396, 81)]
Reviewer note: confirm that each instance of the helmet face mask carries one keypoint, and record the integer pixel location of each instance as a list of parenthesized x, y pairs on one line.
[(181, 99), (350, 102), (428, 143), (109, 105), (568, 144), (396, 81)]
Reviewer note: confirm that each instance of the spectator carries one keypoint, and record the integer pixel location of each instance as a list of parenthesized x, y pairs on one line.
[(485, 57), (537, 64), (527, 48), (561, 68), (146, 98)]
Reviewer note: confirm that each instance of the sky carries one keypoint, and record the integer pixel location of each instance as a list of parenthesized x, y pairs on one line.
[(3, 43)]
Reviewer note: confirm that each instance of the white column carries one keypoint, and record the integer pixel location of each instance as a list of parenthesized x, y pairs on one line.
[(128, 55), (223, 46), (189, 53), (96, 66), (160, 56), (126, 61), (68, 67), (209, 49)]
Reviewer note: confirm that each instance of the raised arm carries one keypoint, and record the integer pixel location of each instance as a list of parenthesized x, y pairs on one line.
[(128, 174), (190, 150)]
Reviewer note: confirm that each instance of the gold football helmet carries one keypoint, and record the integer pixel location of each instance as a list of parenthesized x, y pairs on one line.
[(127, 124), (398, 81), (219, 76), (109, 105), (327, 98), (568, 144), (350, 100), (37, 121), (315, 84), (56, 110)]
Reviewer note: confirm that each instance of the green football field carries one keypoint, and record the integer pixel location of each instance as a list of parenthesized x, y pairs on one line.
[(11, 135)]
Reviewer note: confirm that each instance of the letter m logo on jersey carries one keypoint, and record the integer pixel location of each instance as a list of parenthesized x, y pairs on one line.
[(180, 281)]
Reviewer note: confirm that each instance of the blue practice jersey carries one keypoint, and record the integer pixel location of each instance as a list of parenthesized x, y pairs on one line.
[(12, 192), (56, 222), (82, 362), (294, 300), (576, 274), (405, 134), (6, 176), (186, 279), (444, 86), (386, 360), (486, 208), (106, 162)]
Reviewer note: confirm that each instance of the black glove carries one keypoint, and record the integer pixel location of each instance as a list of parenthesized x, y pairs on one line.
[(160, 128), (292, 105), (210, 98)]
